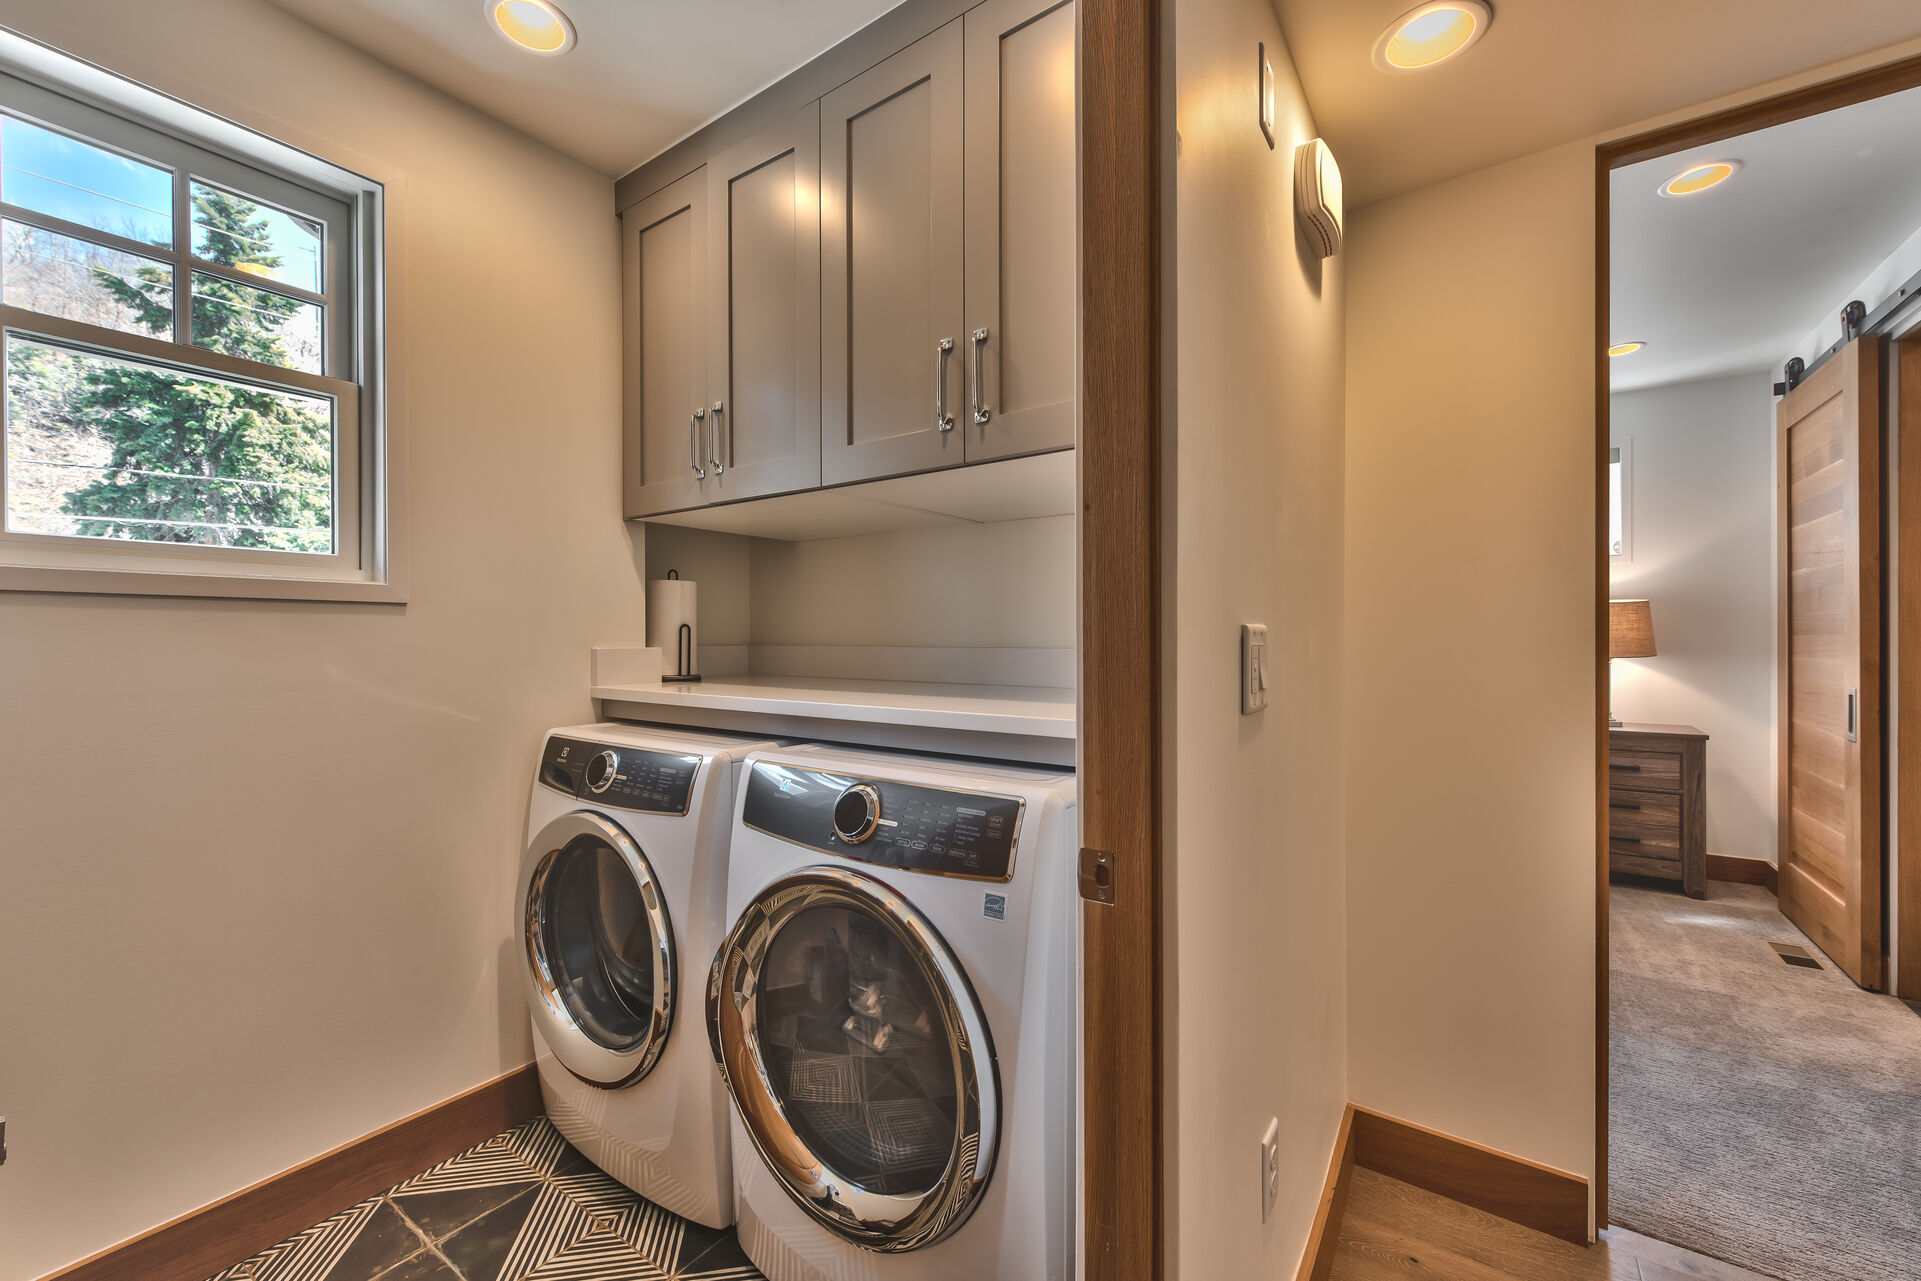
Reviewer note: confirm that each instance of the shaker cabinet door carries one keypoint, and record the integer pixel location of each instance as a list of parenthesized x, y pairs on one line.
[(1021, 229), (892, 344), (664, 299), (763, 346)]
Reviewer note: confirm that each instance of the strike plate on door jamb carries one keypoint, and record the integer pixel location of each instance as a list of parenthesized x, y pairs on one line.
[(1097, 876)]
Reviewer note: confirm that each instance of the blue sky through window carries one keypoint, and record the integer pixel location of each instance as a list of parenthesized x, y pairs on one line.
[(53, 174), (294, 241)]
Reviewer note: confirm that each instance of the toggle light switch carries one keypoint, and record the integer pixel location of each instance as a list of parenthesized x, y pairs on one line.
[(1253, 667)]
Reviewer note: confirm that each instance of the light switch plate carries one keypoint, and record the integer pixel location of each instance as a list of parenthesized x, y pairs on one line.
[(1270, 1167), (1253, 667)]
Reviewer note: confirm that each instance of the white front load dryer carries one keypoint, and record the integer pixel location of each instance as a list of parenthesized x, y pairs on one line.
[(894, 1010), (619, 911)]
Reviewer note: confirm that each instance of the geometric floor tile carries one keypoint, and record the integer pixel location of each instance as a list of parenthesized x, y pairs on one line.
[(523, 1206)]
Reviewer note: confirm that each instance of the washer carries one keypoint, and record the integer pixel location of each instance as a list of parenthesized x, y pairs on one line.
[(619, 910), (894, 1011)]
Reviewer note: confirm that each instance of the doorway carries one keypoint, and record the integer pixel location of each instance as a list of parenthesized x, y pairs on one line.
[(1758, 1065)]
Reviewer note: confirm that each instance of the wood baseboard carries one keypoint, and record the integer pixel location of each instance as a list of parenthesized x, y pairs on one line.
[(1744, 871), (1534, 1196), (205, 1241), (1324, 1239)]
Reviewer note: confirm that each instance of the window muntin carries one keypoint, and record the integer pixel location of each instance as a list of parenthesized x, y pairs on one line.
[(239, 310)]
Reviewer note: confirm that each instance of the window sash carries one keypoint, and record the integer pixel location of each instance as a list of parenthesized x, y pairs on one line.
[(151, 128)]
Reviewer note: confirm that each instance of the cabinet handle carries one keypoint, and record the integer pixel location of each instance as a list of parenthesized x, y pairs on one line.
[(693, 443), (714, 451), (1854, 725), (1615, 805), (1627, 840), (942, 419), (1632, 769), (981, 412)]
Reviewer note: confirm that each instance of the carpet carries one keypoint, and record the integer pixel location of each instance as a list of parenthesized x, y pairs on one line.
[(1764, 1114)]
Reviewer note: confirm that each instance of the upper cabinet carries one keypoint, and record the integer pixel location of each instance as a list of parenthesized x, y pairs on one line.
[(891, 287), (1021, 229), (763, 345), (878, 285)]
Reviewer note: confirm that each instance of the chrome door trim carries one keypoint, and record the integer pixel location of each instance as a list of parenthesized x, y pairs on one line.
[(874, 1221), (580, 1054)]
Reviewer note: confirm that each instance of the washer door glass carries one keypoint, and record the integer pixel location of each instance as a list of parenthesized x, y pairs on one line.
[(857, 1057), (599, 949)]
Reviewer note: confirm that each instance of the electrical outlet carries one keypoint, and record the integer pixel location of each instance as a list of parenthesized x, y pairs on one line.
[(1253, 667), (1270, 1167)]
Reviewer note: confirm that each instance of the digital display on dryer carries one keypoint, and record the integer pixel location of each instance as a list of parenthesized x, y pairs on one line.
[(940, 830)]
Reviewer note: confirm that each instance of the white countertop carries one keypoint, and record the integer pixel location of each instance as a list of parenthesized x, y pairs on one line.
[(1034, 711)]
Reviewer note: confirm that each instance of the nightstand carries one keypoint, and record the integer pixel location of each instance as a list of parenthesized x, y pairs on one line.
[(1658, 803)]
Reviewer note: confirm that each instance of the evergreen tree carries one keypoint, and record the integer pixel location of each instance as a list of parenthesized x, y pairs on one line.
[(229, 465)]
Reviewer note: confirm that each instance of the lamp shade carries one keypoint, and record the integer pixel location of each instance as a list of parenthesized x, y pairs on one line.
[(1630, 629)]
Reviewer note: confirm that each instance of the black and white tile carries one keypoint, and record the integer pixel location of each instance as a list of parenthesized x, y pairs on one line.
[(523, 1206)]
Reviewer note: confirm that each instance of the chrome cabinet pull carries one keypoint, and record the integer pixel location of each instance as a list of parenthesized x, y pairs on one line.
[(942, 419), (714, 451), (981, 412), (1854, 724), (693, 443)]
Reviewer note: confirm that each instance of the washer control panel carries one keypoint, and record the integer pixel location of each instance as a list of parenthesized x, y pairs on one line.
[(943, 831), (619, 777)]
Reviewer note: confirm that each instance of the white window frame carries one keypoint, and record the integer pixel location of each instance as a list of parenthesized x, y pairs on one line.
[(55, 91), (1623, 455)]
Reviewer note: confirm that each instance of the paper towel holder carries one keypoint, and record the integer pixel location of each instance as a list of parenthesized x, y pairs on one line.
[(683, 672)]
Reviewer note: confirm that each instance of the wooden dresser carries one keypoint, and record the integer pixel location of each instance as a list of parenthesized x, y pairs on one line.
[(1658, 803)]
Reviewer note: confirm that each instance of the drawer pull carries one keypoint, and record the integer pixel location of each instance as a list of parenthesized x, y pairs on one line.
[(1632, 769), (1630, 840), (1616, 805)]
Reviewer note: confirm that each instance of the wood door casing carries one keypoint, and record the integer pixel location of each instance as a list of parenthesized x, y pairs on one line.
[(891, 277), (664, 305), (1020, 226), (763, 244), (1828, 469)]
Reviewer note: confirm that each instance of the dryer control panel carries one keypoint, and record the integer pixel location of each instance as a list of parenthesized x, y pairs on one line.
[(943, 831), (620, 777)]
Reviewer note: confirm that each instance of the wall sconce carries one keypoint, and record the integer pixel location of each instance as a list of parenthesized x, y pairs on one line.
[(1317, 195)]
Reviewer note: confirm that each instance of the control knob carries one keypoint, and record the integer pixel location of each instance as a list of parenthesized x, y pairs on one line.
[(857, 813), (601, 770)]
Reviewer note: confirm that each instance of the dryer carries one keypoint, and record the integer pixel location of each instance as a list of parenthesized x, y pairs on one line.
[(618, 913), (894, 1010)]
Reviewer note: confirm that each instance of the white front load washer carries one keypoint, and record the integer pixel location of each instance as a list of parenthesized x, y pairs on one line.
[(894, 1010), (619, 911)]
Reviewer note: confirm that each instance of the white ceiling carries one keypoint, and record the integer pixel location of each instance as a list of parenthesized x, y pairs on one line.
[(644, 74), (1551, 71), (1732, 278)]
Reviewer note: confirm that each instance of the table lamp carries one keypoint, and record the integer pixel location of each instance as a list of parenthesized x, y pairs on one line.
[(1630, 635)]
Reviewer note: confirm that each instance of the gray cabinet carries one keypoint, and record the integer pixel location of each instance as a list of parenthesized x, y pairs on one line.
[(891, 279), (1020, 228), (763, 344), (664, 328)]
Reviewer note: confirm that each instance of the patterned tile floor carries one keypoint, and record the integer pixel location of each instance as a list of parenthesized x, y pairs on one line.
[(523, 1206)]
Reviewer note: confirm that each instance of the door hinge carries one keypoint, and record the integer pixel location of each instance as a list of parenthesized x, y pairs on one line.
[(1097, 875)]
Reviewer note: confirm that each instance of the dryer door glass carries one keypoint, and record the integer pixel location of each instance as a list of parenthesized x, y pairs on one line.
[(858, 1058), (598, 941)]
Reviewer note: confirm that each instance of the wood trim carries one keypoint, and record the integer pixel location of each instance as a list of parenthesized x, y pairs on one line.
[(1324, 1237), (1744, 871), (1905, 974), (1796, 104), (215, 1237), (1120, 641), (1602, 693), (1524, 1192)]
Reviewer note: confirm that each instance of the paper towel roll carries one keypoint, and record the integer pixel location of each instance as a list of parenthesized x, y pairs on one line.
[(671, 603)]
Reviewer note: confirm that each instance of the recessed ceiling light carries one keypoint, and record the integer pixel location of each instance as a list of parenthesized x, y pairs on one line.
[(534, 25), (1698, 178), (1431, 33), (1625, 348)]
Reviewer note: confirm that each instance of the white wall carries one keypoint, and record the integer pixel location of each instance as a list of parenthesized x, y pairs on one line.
[(258, 858), (1703, 555), (1894, 272), (1256, 1013), (1471, 735)]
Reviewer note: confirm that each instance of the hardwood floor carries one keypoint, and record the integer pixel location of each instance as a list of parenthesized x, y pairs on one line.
[(1393, 1232)]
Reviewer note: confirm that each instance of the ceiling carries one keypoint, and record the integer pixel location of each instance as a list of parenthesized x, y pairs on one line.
[(1730, 279), (644, 74), (1551, 71)]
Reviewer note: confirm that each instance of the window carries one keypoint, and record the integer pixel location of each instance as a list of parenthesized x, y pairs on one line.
[(189, 366), (1620, 501)]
